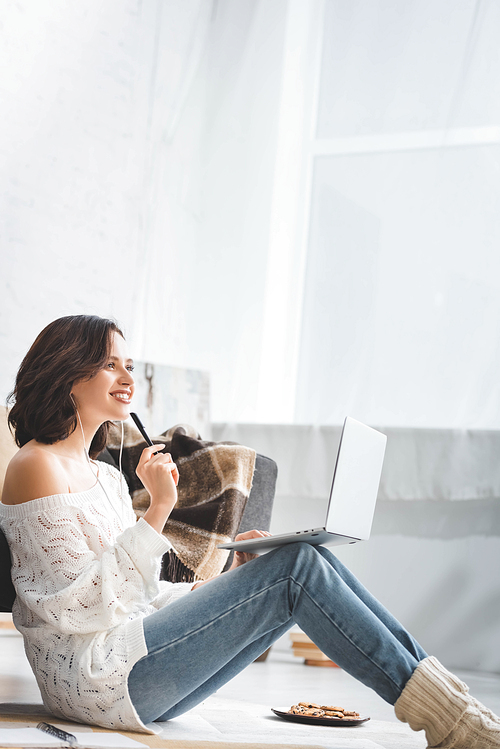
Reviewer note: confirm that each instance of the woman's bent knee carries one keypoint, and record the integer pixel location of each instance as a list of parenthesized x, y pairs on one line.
[(297, 560), (299, 551)]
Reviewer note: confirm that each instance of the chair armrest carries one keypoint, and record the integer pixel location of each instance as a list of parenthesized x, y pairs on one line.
[(7, 590), (259, 506)]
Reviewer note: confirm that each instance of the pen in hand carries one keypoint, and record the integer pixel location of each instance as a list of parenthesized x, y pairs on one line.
[(140, 427)]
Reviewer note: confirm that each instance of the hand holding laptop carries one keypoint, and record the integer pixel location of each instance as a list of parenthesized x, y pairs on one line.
[(241, 557)]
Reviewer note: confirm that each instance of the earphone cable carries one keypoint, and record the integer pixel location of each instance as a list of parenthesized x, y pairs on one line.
[(96, 475)]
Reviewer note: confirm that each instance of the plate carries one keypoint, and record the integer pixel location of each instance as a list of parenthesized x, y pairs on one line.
[(321, 721)]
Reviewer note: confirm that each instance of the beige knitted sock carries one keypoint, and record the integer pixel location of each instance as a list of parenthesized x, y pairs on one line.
[(485, 711), (473, 731), (460, 686), (436, 701), (431, 701)]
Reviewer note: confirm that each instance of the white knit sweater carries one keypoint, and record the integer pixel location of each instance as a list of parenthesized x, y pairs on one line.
[(86, 573)]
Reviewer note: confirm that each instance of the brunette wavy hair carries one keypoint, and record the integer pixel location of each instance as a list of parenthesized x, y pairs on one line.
[(69, 349)]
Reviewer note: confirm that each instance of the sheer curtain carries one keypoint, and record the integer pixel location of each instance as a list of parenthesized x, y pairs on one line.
[(206, 258), (336, 205), (298, 196), (171, 116)]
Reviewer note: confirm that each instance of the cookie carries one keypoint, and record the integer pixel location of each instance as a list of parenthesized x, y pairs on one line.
[(297, 710), (313, 710), (310, 705), (332, 708)]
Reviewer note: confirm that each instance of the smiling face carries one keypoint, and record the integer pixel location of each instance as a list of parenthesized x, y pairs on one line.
[(107, 395)]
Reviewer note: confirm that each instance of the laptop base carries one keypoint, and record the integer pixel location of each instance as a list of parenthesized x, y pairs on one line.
[(317, 537)]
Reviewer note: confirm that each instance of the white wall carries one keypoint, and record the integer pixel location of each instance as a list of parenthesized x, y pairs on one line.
[(137, 149), (69, 182), (90, 96)]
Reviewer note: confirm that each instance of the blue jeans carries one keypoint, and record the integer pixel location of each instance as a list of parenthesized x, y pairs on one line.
[(199, 642)]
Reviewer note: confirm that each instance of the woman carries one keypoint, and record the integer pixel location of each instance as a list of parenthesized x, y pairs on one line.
[(112, 645)]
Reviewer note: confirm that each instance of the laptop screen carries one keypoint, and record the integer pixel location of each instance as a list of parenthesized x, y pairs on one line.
[(356, 480)]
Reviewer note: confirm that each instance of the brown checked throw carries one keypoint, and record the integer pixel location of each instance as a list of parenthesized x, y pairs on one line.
[(215, 479)]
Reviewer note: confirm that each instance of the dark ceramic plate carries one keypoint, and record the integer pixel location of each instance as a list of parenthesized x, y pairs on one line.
[(311, 720)]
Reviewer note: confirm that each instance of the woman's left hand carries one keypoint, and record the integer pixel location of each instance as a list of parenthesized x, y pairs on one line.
[(241, 557)]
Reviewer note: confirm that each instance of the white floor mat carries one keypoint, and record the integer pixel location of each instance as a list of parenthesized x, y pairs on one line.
[(235, 721)]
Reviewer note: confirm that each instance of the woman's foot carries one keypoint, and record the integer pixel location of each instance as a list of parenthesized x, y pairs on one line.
[(485, 711), (473, 731), (436, 701)]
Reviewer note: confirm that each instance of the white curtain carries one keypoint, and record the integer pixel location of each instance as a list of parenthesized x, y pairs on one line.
[(206, 254), (176, 35), (345, 197)]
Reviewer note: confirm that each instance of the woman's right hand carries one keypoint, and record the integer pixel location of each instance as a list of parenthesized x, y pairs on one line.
[(160, 477)]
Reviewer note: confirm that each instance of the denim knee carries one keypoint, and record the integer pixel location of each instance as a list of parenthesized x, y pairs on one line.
[(300, 553)]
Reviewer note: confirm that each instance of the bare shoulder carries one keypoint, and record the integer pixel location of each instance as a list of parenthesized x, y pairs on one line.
[(32, 473)]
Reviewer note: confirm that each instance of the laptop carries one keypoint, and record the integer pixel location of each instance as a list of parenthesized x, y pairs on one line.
[(351, 504)]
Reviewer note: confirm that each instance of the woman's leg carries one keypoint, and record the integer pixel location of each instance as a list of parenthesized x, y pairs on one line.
[(204, 639), (204, 690), (374, 605)]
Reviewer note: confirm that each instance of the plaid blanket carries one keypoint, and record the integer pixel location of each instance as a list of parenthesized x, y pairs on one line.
[(215, 479)]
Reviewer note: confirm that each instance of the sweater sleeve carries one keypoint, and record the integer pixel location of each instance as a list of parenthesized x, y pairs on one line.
[(170, 592), (67, 578)]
